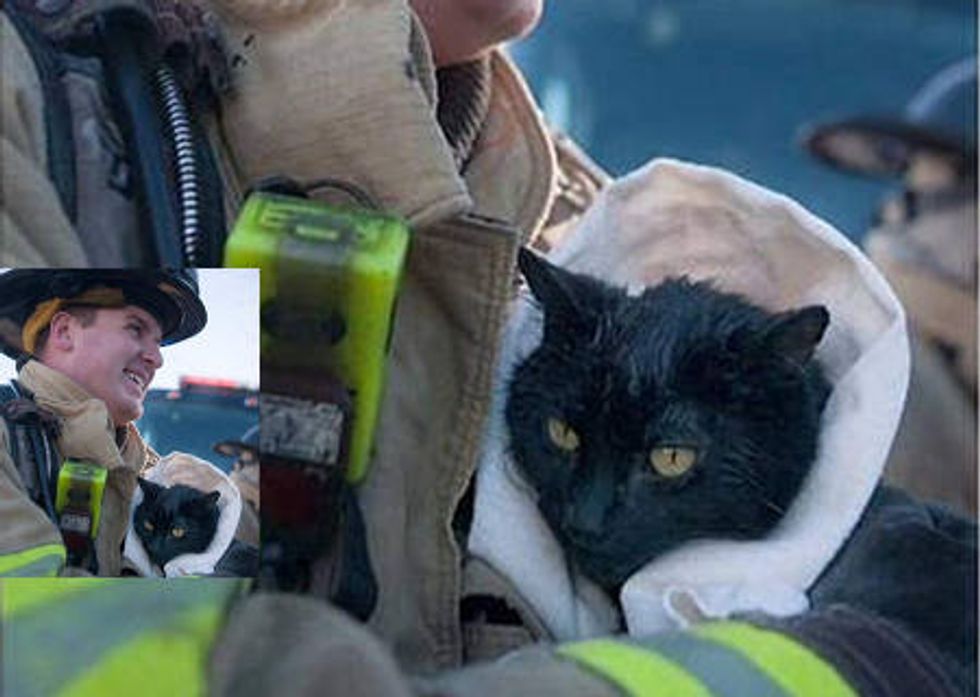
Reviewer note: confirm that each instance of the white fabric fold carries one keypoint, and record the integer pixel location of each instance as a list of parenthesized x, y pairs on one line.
[(668, 219), (181, 468)]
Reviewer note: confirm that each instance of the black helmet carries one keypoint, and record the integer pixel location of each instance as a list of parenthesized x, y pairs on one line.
[(940, 119), (171, 296)]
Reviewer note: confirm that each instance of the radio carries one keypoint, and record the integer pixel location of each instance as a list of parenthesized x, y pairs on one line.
[(329, 283)]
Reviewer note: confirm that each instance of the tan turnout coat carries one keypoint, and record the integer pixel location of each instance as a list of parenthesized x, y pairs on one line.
[(347, 90), (85, 433)]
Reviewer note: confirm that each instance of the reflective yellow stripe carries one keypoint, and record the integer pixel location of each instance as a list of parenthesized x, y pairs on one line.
[(101, 636), (164, 663), (795, 668), (46, 560), (26, 594), (638, 672)]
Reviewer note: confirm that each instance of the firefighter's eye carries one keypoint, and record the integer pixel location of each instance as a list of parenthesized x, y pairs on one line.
[(178, 532)]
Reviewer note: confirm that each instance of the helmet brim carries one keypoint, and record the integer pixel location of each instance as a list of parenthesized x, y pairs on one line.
[(171, 297), (234, 448), (879, 147)]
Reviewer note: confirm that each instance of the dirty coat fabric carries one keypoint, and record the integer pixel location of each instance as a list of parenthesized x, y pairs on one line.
[(354, 99), (86, 433), (348, 90)]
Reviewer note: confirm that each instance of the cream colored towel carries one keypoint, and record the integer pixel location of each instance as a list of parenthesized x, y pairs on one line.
[(671, 218), (181, 468)]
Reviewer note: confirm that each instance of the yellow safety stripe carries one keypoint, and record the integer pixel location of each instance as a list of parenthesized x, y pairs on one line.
[(44, 560), (24, 595), (795, 668), (79, 637), (172, 661), (637, 671)]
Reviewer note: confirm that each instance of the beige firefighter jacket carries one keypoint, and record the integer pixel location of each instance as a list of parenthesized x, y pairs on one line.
[(348, 90), (85, 433), (34, 229), (354, 99)]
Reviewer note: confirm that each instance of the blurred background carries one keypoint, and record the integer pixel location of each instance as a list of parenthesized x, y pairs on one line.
[(735, 83), (207, 389)]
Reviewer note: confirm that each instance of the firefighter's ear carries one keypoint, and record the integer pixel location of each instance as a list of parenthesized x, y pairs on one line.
[(60, 332)]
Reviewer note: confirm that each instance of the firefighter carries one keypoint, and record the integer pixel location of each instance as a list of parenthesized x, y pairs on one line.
[(924, 239), (88, 344)]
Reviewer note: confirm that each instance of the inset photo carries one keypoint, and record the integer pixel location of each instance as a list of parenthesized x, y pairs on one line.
[(129, 399)]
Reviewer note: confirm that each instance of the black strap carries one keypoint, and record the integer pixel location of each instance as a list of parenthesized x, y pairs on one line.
[(357, 590), (129, 75), (29, 430), (58, 134), (33, 464), (9, 394)]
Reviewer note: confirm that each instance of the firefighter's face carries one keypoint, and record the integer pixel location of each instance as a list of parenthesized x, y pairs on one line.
[(460, 30), (114, 357)]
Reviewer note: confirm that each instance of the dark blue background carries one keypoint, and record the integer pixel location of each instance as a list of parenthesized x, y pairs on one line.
[(732, 82), (175, 420)]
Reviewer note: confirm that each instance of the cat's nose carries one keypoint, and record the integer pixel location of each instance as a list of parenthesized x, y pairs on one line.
[(585, 526), (587, 511)]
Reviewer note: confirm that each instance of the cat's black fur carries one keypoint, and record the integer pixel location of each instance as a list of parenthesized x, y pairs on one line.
[(178, 507), (681, 364)]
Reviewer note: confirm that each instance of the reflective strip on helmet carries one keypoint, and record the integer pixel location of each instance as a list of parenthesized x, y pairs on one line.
[(637, 671), (110, 636), (45, 560), (797, 669)]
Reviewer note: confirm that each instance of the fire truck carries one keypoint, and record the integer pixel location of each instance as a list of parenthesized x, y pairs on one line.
[(198, 414)]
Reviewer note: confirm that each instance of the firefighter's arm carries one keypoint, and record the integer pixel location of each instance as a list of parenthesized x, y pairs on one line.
[(296, 645), (836, 652), (288, 644), (30, 544), (34, 230)]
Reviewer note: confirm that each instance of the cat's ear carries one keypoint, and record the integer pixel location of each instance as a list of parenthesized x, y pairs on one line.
[(150, 490), (210, 498), (561, 293), (794, 335)]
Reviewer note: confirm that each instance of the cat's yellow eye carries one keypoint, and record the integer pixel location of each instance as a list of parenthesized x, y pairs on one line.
[(673, 460), (562, 435), (148, 526), (177, 532)]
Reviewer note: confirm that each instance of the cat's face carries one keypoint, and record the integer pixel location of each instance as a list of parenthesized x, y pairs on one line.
[(175, 520), (644, 422)]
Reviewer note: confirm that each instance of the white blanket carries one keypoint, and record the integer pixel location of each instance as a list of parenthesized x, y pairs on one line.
[(181, 468), (671, 218)]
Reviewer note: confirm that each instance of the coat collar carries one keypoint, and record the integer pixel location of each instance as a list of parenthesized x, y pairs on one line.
[(86, 431), (347, 90)]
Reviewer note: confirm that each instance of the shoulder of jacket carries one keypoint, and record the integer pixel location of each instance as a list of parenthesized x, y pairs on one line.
[(579, 181)]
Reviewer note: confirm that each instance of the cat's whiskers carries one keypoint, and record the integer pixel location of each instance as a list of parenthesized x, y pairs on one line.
[(741, 475)]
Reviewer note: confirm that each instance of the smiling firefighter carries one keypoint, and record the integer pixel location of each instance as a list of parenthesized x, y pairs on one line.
[(87, 345)]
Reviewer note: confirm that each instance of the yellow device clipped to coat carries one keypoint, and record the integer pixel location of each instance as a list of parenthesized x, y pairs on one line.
[(78, 501), (329, 282)]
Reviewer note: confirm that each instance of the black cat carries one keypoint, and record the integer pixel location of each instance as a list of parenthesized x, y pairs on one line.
[(644, 422), (175, 520)]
